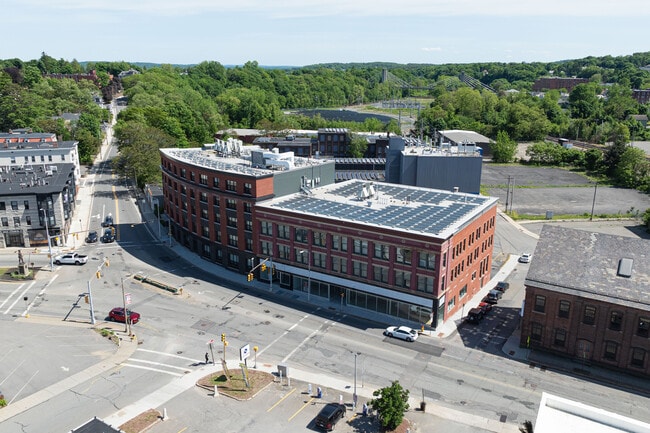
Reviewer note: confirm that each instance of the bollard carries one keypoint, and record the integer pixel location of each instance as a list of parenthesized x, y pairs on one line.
[(164, 417), (319, 393), (309, 389), (340, 398), (216, 391)]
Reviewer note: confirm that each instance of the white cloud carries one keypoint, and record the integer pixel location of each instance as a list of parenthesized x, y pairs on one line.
[(429, 49)]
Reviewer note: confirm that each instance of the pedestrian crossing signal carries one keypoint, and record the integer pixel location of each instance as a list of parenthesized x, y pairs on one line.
[(86, 299), (250, 277)]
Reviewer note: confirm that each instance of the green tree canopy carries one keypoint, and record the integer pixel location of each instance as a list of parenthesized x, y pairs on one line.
[(390, 403), (504, 149)]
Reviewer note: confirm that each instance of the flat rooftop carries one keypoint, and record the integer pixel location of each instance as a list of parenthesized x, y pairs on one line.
[(36, 179), (238, 161), (587, 264), (410, 209)]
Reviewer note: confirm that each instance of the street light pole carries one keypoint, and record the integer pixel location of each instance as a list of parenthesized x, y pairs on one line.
[(49, 243), (126, 313), (354, 396)]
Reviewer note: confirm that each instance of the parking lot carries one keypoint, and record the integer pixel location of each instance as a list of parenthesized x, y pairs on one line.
[(286, 407)]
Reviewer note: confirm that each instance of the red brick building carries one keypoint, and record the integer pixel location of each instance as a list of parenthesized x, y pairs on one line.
[(557, 83), (413, 253), (587, 298), (209, 195)]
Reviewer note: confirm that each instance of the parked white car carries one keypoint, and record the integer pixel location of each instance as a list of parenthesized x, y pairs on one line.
[(401, 332), (71, 259), (525, 258)]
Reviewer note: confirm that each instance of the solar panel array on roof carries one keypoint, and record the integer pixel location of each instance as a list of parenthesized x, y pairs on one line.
[(432, 217)]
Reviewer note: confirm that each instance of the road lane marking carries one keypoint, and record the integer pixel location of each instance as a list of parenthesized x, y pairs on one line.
[(125, 364), (306, 339), (158, 363), (11, 295), (20, 297), (281, 400), (302, 408), (169, 354)]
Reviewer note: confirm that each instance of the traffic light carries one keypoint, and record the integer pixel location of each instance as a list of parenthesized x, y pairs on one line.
[(98, 274), (107, 263), (250, 277), (263, 267), (223, 337), (86, 299)]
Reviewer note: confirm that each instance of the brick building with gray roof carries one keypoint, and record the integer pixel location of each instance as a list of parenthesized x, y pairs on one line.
[(588, 298)]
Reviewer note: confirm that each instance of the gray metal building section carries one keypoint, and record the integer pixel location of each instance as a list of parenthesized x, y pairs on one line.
[(411, 163), (314, 173)]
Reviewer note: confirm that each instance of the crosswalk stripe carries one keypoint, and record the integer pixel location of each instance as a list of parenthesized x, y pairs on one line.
[(126, 364), (158, 363)]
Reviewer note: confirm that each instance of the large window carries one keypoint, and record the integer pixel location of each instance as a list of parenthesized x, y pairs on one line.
[(231, 185), (267, 228), (301, 235), (380, 274), (320, 260), (560, 338), (231, 203), (540, 303), (233, 240), (283, 252), (611, 350), (360, 247), (283, 231), (266, 248), (203, 179), (359, 269), (427, 260), (320, 239), (425, 284), (589, 316), (615, 320), (564, 309), (403, 255), (340, 265), (638, 357), (382, 251), (536, 330), (402, 279), (339, 243), (644, 327)]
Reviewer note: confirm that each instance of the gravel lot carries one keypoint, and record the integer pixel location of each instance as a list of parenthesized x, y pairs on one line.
[(542, 189)]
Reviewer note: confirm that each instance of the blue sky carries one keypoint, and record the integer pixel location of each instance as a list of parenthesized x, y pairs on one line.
[(304, 32)]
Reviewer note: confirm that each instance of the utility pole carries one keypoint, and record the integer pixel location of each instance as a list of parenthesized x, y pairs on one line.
[(593, 203)]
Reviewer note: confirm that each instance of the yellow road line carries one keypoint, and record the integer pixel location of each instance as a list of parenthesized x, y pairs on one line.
[(281, 400), (301, 409)]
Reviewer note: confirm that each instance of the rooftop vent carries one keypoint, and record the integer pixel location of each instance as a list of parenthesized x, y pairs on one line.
[(625, 268)]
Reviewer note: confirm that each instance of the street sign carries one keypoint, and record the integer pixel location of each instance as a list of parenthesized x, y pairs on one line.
[(244, 352), (127, 299)]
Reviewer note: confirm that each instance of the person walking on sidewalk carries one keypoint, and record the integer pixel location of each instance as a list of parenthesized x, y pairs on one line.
[(207, 358)]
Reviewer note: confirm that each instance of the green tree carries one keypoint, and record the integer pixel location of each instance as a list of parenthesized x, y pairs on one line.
[(504, 149), (584, 101), (632, 169), (139, 155), (390, 403), (358, 146)]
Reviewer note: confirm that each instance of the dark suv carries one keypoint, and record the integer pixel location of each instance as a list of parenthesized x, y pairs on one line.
[(329, 415)]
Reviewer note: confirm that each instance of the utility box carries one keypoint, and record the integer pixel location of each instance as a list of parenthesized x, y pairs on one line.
[(283, 370)]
